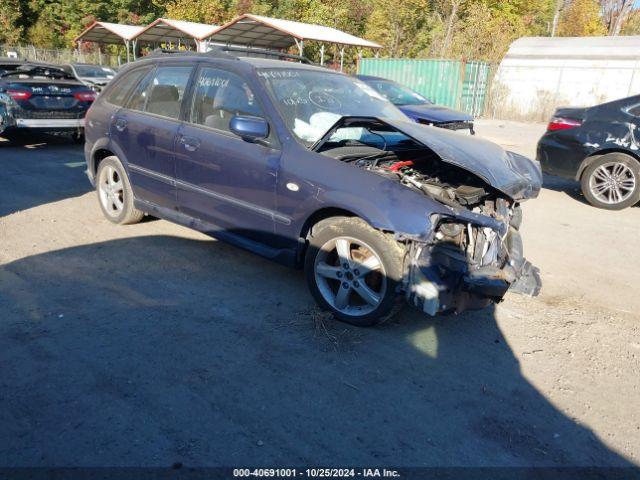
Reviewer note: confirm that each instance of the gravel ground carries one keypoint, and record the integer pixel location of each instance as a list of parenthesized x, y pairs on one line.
[(152, 344)]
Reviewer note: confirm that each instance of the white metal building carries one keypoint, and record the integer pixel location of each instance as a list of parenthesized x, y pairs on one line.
[(539, 74)]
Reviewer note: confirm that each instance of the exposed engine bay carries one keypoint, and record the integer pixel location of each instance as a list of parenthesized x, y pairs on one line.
[(420, 169), (474, 255)]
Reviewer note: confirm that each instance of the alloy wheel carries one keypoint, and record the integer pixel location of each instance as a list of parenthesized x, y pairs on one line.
[(111, 191), (350, 276), (612, 183)]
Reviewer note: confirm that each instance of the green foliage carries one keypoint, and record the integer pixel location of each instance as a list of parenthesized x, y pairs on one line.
[(473, 29), (10, 13)]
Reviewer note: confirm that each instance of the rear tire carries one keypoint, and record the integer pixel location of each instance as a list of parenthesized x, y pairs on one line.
[(354, 271), (115, 195), (612, 181)]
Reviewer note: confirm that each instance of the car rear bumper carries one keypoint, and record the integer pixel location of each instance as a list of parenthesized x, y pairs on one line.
[(560, 157), (49, 123)]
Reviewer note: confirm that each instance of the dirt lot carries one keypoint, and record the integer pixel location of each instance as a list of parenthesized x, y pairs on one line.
[(153, 344)]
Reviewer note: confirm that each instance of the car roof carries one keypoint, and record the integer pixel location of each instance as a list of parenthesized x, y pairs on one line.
[(253, 62)]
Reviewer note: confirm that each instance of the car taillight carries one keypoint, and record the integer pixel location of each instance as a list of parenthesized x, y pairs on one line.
[(85, 96), (562, 123), (19, 94)]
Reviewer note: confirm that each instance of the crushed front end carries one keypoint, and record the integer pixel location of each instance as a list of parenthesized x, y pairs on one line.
[(471, 253), (470, 261)]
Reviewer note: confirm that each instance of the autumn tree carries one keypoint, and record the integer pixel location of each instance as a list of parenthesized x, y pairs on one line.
[(214, 12), (615, 13), (10, 30), (402, 27), (581, 18), (631, 25)]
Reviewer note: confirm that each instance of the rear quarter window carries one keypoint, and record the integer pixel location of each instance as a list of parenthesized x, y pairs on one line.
[(124, 85)]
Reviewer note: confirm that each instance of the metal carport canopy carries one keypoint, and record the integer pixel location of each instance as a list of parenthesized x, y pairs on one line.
[(169, 30), (274, 33), (105, 32)]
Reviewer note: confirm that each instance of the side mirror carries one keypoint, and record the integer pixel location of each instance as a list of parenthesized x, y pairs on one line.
[(249, 128)]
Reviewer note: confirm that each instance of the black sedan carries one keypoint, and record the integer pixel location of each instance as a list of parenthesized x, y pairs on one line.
[(418, 108), (598, 146), (43, 97), (94, 76)]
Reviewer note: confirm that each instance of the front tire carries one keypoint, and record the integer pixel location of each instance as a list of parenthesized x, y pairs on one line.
[(115, 194), (612, 182), (354, 271)]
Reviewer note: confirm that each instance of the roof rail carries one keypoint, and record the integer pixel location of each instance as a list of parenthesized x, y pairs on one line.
[(214, 52), (167, 51), (259, 51), (227, 52)]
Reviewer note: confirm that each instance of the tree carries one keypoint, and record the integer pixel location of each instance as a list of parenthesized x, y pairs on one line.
[(631, 25), (10, 30), (400, 26), (615, 12), (581, 19), (214, 12)]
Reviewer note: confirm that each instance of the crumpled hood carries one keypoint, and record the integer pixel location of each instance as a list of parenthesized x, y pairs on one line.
[(515, 175), (434, 113)]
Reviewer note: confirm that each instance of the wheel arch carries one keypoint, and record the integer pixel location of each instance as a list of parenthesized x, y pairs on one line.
[(593, 156), (313, 219), (99, 155)]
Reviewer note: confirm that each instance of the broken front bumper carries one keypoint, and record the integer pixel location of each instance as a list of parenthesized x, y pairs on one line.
[(444, 278)]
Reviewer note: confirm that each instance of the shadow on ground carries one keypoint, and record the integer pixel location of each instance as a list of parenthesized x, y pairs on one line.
[(155, 350), (565, 185), (31, 165)]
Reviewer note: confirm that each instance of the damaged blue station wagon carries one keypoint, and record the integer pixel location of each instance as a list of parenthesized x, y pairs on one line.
[(315, 169)]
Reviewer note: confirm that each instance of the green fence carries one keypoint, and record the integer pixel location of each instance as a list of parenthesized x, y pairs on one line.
[(456, 84)]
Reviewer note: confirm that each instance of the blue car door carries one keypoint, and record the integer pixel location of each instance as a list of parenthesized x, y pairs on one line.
[(146, 130), (221, 178)]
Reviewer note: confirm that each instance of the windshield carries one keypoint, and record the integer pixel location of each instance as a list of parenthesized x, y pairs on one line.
[(312, 101), (397, 94), (94, 71)]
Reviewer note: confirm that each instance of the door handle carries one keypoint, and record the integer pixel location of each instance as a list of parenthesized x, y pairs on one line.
[(120, 124), (190, 144)]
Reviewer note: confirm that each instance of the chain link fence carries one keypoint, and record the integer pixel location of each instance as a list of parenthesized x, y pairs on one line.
[(59, 55)]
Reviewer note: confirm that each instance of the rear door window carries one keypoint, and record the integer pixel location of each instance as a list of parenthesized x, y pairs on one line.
[(162, 93), (218, 96), (120, 91)]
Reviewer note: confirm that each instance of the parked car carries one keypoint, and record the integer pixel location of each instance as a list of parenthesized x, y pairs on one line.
[(94, 76), (599, 147), (43, 97), (11, 64), (313, 168), (417, 107)]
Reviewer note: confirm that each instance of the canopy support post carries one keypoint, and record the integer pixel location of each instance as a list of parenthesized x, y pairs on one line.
[(126, 45), (135, 47), (322, 54), (300, 45), (341, 58)]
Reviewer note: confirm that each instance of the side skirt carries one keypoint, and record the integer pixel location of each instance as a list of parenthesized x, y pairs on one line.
[(287, 257)]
